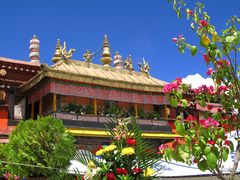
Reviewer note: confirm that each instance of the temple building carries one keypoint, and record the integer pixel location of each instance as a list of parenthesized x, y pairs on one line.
[(84, 95)]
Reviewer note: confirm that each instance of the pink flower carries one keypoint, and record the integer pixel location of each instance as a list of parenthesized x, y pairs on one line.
[(206, 58), (210, 71), (162, 147), (211, 142), (223, 62), (179, 80), (174, 39), (16, 178), (210, 122), (6, 175), (167, 88), (222, 88), (180, 36), (203, 23)]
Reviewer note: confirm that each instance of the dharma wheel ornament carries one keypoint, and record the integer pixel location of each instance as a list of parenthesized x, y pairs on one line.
[(87, 56), (106, 55)]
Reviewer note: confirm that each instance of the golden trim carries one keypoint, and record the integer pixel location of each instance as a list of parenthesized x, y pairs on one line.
[(102, 133), (56, 71)]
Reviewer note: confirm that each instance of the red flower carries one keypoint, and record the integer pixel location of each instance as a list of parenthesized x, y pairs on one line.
[(137, 170), (211, 142), (174, 39), (206, 58), (203, 23), (110, 176), (190, 12), (209, 106), (227, 142), (190, 118), (131, 141), (210, 71), (195, 160), (121, 171)]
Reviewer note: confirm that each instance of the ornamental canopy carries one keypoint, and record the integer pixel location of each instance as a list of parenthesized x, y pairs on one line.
[(88, 73)]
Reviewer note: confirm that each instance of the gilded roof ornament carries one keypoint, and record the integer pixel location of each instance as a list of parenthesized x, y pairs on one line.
[(106, 55), (67, 55), (3, 72), (128, 64), (62, 53), (88, 56), (144, 67)]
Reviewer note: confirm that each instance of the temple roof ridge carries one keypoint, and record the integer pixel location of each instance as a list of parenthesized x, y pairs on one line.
[(83, 72)]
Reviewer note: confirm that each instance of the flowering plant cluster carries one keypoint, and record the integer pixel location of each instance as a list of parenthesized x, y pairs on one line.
[(204, 137), (127, 157)]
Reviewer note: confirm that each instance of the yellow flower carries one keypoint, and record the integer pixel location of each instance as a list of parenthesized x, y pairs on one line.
[(99, 152), (205, 40), (110, 148), (148, 172), (91, 165), (127, 151)]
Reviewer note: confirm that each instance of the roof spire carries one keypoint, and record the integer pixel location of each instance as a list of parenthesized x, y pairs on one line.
[(106, 55), (34, 48), (57, 56), (118, 60)]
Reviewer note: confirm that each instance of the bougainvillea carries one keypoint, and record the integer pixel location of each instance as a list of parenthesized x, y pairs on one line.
[(204, 137)]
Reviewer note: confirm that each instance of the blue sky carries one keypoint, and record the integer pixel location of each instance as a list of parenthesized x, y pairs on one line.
[(141, 28)]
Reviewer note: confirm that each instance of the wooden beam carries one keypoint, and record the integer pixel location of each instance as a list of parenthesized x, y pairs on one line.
[(54, 102), (40, 106), (136, 110), (32, 110), (95, 106)]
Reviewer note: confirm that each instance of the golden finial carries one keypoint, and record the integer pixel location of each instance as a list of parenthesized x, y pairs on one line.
[(106, 55), (128, 64), (88, 56), (57, 56)]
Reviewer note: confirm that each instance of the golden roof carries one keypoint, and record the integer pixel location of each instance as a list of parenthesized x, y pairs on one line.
[(83, 72)]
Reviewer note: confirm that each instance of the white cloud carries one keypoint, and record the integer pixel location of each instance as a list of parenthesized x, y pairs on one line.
[(197, 80)]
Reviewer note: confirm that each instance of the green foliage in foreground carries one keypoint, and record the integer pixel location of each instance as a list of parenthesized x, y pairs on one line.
[(43, 142)]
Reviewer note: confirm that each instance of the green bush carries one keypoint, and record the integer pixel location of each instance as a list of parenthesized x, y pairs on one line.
[(43, 142)]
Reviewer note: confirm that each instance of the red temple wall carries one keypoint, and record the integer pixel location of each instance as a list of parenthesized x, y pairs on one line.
[(3, 117)]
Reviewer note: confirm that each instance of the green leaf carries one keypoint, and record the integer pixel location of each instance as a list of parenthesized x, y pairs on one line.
[(207, 150), (173, 101), (202, 103), (224, 154), (184, 103), (211, 161), (179, 95), (230, 39), (193, 50), (202, 165)]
